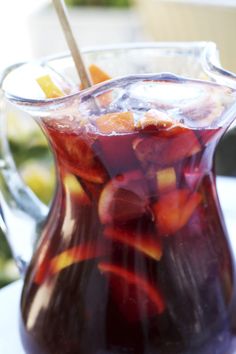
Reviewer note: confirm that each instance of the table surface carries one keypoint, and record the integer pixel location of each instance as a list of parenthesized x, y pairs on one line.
[(10, 295)]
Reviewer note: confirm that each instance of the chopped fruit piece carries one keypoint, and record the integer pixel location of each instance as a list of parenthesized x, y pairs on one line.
[(74, 255), (75, 189), (123, 198), (146, 243), (118, 122), (76, 153), (166, 179), (49, 267), (174, 209), (97, 74), (173, 145), (135, 296), (50, 89), (154, 119)]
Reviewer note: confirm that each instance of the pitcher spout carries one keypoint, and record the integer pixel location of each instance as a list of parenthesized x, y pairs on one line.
[(212, 66)]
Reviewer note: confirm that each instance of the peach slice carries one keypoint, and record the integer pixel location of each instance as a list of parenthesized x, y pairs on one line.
[(118, 122), (135, 296), (174, 209), (166, 148), (145, 243), (97, 74), (166, 179), (123, 198), (50, 89)]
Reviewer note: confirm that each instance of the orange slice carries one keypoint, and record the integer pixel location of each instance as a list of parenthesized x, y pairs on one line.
[(135, 296), (174, 209), (97, 74), (145, 243)]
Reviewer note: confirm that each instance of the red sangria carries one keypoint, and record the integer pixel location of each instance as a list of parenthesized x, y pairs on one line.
[(134, 257)]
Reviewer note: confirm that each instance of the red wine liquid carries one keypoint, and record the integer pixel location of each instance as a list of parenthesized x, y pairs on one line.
[(134, 257)]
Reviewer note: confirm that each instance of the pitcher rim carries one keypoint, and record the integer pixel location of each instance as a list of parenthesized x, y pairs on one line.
[(208, 51)]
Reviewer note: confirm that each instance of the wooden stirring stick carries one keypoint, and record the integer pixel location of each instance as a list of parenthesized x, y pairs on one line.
[(75, 52)]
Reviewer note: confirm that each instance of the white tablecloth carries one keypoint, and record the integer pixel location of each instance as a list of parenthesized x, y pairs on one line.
[(10, 295)]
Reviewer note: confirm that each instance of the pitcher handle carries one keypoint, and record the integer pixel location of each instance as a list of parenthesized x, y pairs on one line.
[(21, 212)]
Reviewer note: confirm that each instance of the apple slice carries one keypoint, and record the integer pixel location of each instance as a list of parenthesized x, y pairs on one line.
[(135, 296), (174, 209), (123, 198), (118, 122), (166, 147), (145, 243)]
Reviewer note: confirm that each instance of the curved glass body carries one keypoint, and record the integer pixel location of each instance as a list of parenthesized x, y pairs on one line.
[(133, 256)]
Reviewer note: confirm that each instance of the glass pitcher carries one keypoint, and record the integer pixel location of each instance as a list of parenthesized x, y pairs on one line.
[(132, 257)]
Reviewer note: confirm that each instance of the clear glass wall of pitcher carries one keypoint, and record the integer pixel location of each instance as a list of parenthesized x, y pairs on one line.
[(133, 256)]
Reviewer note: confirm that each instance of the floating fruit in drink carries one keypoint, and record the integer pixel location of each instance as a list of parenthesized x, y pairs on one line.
[(134, 295), (77, 154), (147, 243), (174, 209), (97, 74), (167, 147), (166, 179), (124, 198), (115, 123)]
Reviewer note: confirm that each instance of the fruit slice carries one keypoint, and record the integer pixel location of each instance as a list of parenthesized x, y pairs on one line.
[(123, 198), (50, 89), (154, 119), (174, 209), (134, 295), (74, 255), (97, 74), (166, 180), (75, 189), (145, 243), (169, 147), (76, 154), (118, 122), (80, 253)]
